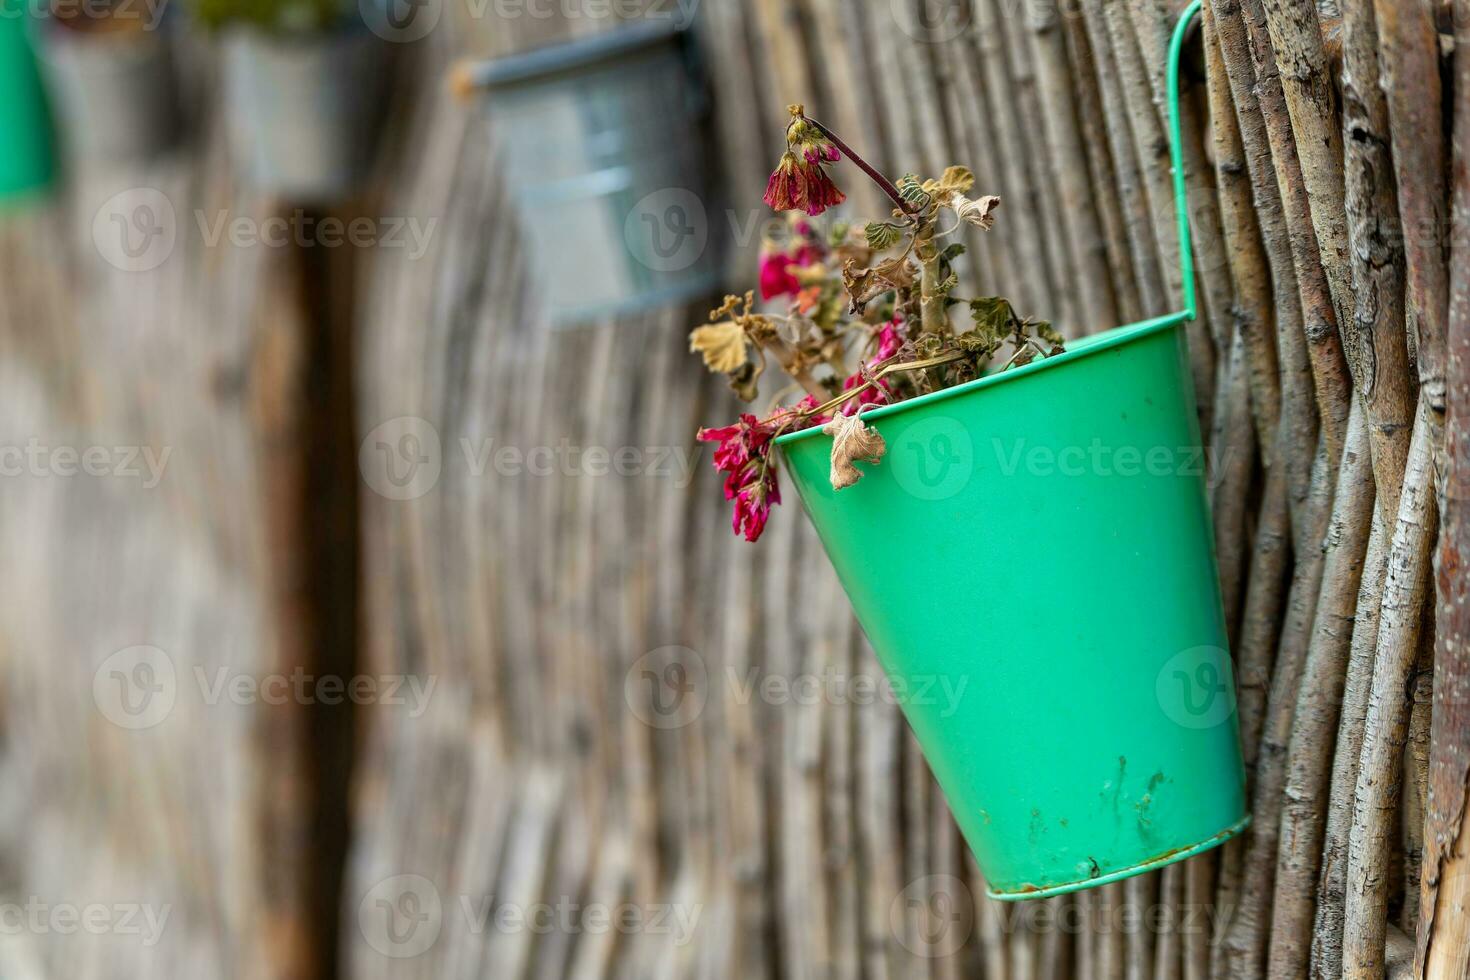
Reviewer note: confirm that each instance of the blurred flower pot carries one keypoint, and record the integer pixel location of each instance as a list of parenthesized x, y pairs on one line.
[(112, 82), (28, 162), (1034, 564), (302, 109), (606, 161)]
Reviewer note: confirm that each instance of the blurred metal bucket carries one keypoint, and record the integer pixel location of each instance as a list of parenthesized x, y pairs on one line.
[(605, 157), (28, 163), (114, 91), (302, 111)]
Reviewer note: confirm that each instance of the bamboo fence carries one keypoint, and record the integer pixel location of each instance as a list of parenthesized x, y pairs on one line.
[(489, 828)]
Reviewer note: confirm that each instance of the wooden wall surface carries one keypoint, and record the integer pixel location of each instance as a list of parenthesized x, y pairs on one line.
[(801, 837)]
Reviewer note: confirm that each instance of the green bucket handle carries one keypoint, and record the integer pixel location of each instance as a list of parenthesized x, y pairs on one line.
[(1176, 157)]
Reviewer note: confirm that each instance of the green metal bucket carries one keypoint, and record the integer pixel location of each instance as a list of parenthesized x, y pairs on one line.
[(1033, 562), (28, 162)]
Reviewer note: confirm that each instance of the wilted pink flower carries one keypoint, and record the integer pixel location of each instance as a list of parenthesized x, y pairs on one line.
[(889, 342), (806, 405), (798, 185), (810, 142), (776, 275), (819, 152), (743, 454), (754, 502)]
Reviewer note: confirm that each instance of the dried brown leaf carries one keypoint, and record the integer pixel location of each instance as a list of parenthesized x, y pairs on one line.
[(722, 345), (955, 180), (852, 441), (979, 212)]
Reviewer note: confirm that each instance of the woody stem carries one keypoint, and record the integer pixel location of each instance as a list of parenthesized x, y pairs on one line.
[(879, 375), (883, 182)]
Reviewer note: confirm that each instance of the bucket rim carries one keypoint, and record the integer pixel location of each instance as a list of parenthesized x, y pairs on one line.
[(1085, 346), (1152, 864), (549, 61)]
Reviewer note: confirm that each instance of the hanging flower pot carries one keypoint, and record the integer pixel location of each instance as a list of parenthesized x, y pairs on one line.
[(1026, 541), (302, 81), (1055, 563), (302, 109), (111, 77), (602, 142), (27, 163)]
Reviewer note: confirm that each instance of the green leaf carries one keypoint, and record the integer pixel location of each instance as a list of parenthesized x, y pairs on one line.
[(992, 315), (881, 235), (912, 191), (948, 283), (951, 252), (1048, 333), (974, 342)]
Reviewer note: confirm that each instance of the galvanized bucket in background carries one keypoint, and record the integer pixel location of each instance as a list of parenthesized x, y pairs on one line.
[(28, 161), (1034, 564), (605, 158), (114, 90), (303, 110)]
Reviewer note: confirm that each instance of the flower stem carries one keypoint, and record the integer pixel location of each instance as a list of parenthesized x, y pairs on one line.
[(932, 315), (883, 182), (879, 375)]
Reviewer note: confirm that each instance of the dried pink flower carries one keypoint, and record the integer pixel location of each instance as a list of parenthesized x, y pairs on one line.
[(889, 341), (743, 454), (798, 185), (776, 278), (776, 275)]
